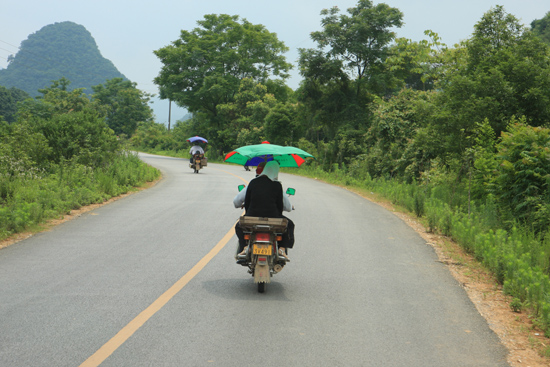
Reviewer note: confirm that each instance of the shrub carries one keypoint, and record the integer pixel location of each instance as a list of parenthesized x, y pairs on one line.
[(524, 175)]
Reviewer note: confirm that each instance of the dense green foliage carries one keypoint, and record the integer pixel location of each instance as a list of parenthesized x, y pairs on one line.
[(123, 105), (59, 155), (8, 102), (541, 27), (60, 50), (203, 69), (359, 43), (523, 176)]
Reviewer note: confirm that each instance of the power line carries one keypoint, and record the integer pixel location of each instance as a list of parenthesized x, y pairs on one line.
[(7, 43)]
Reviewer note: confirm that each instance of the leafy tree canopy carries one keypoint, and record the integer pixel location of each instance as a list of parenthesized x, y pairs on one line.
[(523, 175), (541, 27), (204, 67), (72, 127), (501, 72), (246, 115), (346, 71), (8, 102), (415, 64), (361, 39), (123, 104)]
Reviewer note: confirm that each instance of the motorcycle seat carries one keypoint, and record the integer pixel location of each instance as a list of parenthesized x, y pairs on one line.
[(277, 225)]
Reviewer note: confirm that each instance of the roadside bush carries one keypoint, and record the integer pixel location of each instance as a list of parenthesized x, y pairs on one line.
[(82, 137), (524, 175)]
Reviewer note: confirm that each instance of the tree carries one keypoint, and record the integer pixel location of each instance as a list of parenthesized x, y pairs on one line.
[(8, 102), (73, 129), (501, 72), (415, 64), (360, 40), (541, 27), (204, 68), (56, 99), (281, 125), (396, 139), (245, 116), (523, 179), (123, 104), (327, 95), (343, 76)]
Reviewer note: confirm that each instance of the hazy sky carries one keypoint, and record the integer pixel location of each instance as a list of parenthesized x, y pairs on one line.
[(128, 31)]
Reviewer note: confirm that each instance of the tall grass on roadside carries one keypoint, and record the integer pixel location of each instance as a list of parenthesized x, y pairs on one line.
[(27, 199)]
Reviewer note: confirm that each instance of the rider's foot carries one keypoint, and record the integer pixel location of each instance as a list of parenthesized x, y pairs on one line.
[(282, 253), (243, 252)]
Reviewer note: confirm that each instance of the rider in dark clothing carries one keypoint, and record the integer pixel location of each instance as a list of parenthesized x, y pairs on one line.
[(264, 198)]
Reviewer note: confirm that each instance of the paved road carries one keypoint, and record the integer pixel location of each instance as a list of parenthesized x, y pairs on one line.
[(150, 280)]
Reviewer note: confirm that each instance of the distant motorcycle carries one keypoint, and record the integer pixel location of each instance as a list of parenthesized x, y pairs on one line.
[(262, 255), (197, 162)]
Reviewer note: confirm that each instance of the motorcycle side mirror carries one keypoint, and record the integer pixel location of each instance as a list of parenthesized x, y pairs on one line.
[(241, 187), (291, 191)]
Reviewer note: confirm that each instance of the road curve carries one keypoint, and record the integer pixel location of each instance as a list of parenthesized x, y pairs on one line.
[(150, 280)]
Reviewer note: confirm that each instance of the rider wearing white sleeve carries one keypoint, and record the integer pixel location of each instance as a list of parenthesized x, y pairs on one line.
[(264, 197)]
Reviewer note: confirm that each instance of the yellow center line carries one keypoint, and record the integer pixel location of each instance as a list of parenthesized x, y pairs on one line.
[(126, 332), (116, 341)]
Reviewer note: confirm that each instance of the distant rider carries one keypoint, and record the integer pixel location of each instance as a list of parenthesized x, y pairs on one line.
[(195, 149)]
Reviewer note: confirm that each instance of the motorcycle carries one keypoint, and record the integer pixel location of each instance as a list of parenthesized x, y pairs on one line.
[(262, 236), (197, 162)]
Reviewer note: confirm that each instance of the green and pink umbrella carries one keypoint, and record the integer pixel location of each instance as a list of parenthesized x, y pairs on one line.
[(252, 155)]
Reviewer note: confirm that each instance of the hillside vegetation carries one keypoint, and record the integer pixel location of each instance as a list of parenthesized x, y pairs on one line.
[(60, 154), (60, 50)]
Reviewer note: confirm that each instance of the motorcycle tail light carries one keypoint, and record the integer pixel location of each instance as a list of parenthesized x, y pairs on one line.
[(262, 236), (262, 259)]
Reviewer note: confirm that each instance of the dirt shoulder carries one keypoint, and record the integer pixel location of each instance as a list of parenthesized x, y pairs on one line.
[(516, 331)]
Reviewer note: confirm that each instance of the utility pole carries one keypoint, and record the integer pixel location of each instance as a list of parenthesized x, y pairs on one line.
[(169, 112)]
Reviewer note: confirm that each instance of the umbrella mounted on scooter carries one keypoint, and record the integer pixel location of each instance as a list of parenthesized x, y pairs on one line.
[(252, 155), (197, 160)]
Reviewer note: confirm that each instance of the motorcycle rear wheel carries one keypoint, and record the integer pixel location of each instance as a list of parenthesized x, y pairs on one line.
[(261, 287)]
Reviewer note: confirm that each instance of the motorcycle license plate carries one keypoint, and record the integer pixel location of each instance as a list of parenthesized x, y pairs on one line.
[(258, 249)]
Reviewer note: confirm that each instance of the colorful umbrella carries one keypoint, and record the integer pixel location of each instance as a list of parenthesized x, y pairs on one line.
[(252, 155), (197, 138)]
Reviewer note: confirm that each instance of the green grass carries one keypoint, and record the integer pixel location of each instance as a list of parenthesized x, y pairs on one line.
[(29, 200)]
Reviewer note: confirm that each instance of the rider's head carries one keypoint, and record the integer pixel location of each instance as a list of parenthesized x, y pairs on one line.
[(260, 168), (271, 170)]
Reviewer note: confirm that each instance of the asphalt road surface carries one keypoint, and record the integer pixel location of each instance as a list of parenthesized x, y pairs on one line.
[(150, 280)]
